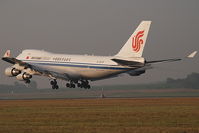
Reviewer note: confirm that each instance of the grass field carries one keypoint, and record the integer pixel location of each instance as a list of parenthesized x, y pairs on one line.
[(147, 115)]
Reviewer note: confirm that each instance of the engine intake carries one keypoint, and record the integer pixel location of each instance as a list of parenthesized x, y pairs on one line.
[(24, 76), (11, 72)]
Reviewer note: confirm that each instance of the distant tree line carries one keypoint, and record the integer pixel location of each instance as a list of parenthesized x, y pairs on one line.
[(191, 81), (19, 87)]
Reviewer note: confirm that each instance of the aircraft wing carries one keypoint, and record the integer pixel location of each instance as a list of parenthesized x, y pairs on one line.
[(33, 67), (7, 57), (172, 60)]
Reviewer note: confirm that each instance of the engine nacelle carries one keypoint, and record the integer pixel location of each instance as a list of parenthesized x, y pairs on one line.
[(136, 73), (24, 76), (11, 72)]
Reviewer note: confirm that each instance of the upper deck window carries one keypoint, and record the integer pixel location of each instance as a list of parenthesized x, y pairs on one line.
[(38, 58), (62, 59)]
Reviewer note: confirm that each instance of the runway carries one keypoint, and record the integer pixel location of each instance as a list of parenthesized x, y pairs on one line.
[(94, 93), (109, 115)]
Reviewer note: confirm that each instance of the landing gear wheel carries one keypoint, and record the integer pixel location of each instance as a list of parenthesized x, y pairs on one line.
[(84, 84), (27, 81), (73, 85), (53, 87), (56, 87), (88, 86), (68, 85), (54, 84), (79, 85)]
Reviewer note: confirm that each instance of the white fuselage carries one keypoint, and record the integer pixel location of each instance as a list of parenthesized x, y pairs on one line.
[(74, 66)]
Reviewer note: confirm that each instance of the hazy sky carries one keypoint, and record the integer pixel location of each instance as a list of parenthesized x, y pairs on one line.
[(101, 27)]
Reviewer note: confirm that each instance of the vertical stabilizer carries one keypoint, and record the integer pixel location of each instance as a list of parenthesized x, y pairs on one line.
[(135, 45)]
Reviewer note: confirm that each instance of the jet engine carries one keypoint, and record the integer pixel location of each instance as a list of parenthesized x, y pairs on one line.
[(11, 72), (136, 73), (24, 76)]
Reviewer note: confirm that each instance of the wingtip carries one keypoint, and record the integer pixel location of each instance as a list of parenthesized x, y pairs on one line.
[(192, 55)]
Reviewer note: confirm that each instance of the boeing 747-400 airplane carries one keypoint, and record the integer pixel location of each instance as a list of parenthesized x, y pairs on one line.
[(78, 70)]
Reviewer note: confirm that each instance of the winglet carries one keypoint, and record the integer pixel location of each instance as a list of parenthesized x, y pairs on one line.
[(7, 54), (192, 54)]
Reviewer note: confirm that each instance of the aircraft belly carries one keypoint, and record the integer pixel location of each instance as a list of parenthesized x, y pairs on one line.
[(91, 73), (84, 73)]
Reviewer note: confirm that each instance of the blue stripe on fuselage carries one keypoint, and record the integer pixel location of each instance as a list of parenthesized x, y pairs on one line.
[(66, 62), (70, 64)]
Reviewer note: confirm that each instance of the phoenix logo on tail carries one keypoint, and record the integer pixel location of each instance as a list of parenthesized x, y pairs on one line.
[(137, 41)]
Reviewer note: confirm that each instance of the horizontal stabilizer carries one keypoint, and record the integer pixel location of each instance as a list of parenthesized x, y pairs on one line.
[(128, 63), (159, 61), (172, 60)]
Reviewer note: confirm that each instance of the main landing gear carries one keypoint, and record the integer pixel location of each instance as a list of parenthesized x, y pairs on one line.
[(72, 84), (54, 84), (82, 84)]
